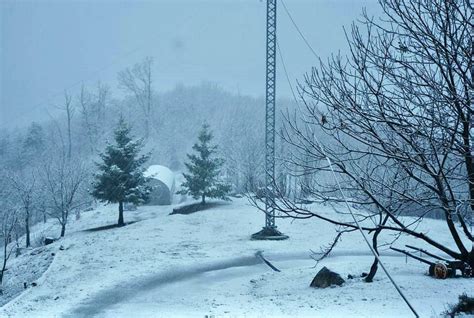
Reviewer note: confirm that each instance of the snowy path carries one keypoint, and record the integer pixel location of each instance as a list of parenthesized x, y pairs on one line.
[(125, 292), (158, 294)]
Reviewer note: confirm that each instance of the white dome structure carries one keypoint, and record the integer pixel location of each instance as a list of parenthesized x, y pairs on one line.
[(161, 179)]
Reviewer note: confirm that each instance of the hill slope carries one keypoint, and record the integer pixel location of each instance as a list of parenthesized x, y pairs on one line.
[(204, 264)]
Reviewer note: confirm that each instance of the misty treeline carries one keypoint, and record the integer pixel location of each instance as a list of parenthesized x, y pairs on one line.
[(48, 167)]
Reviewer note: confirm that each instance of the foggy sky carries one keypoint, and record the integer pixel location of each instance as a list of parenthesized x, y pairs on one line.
[(47, 47)]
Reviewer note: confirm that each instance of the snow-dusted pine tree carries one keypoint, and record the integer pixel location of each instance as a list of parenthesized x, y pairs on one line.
[(120, 177), (202, 179)]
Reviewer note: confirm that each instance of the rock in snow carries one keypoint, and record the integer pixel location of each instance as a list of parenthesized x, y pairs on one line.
[(325, 278)]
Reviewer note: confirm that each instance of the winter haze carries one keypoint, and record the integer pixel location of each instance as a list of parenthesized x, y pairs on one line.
[(50, 46), (236, 158)]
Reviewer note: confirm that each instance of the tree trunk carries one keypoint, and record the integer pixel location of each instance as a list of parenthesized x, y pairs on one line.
[(203, 200), (27, 229), (69, 149), (374, 267), (63, 229), (4, 266), (120, 219), (147, 128), (470, 259)]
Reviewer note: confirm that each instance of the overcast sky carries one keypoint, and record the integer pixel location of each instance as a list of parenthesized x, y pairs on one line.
[(49, 46)]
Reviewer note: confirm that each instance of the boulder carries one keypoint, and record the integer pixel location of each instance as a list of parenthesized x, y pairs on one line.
[(325, 278)]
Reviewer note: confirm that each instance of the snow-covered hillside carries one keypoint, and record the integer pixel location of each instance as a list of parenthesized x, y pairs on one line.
[(204, 264)]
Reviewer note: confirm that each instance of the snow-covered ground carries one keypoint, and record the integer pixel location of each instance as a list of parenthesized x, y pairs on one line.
[(204, 264)]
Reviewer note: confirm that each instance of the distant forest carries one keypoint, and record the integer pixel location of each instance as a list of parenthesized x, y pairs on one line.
[(168, 122)]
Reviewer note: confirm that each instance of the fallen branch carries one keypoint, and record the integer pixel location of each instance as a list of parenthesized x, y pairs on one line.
[(427, 253), (412, 256), (259, 254)]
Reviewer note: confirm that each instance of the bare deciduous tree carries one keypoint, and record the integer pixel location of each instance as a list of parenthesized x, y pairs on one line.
[(93, 107), (64, 182), (8, 222), (138, 82), (68, 107), (23, 186), (394, 118), (243, 154)]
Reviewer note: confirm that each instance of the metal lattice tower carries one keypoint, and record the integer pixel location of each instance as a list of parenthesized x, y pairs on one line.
[(270, 114), (270, 231)]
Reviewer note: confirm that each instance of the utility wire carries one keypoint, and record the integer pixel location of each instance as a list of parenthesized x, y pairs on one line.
[(298, 29), (285, 70), (402, 295), (363, 234)]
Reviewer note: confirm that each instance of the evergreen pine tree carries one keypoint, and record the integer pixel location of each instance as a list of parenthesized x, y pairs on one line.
[(34, 140), (33, 144), (120, 178), (202, 179)]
